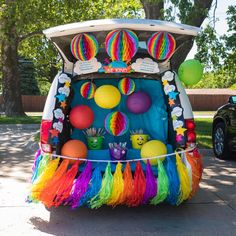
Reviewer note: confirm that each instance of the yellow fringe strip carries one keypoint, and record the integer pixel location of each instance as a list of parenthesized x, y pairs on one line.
[(185, 187), (118, 187)]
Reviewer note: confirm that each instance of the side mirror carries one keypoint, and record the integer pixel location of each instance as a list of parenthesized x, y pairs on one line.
[(232, 99)]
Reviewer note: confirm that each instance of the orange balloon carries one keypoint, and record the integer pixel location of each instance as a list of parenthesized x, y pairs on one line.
[(74, 148)]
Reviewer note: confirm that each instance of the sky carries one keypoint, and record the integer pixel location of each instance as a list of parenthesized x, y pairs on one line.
[(221, 24)]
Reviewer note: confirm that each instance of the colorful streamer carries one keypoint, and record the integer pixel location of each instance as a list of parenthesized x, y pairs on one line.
[(174, 183), (162, 185), (61, 184), (80, 187), (106, 190), (118, 187), (93, 188), (66, 184), (185, 188), (151, 184), (128, 185), (139, 186), (46, 175)]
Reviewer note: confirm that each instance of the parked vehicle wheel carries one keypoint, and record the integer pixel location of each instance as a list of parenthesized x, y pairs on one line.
[(219, 141)]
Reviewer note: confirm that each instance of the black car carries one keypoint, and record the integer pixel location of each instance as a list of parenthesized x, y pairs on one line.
[(224, 130)]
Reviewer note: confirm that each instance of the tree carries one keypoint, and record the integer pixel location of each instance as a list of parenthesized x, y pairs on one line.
[(186, 11), (28, 82), (20, 20), (218, 54)]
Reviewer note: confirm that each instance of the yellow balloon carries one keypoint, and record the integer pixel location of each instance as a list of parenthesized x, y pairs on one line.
[(153, 148), (107, 96)]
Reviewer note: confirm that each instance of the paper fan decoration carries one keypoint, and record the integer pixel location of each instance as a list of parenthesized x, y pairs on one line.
[(87, 90), (126, 86), (84, 47), (161, 45), (121, 45), (116, 123)]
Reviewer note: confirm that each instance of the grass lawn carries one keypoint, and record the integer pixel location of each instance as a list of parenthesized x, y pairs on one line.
[(203, 127), (203, 130), (20, 120)]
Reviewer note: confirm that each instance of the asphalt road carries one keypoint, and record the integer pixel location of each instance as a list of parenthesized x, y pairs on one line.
[(211, 212)]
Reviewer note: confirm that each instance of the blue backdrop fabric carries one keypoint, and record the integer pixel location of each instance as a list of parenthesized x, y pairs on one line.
[(154, 122)]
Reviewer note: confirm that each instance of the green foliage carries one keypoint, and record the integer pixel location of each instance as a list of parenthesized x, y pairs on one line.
[(30, 17), (233, 87), (218, 54), (29, 85), (217, 79), (38, 15)]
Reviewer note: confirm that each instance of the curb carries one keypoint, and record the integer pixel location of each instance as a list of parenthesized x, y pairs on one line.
[(19, 126)]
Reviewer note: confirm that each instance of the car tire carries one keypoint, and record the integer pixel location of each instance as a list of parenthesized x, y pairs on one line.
[(219, 138)]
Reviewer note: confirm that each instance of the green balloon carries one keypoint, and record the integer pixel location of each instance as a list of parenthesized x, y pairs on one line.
[(190, 72)]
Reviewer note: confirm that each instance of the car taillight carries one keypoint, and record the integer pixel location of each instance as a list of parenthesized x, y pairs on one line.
[(191, 134), (44, 135), (46, 148)]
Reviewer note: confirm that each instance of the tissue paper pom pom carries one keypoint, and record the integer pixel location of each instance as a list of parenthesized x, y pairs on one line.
[(126, 86), (87, 90), (84, 47), (116, 123), (161, 45), (121, 45)]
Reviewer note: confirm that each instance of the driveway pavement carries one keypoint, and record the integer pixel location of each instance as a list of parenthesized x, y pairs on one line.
[(211, 212)]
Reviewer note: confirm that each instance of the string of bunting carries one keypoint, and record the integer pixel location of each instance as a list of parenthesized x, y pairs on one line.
[(124, 161)]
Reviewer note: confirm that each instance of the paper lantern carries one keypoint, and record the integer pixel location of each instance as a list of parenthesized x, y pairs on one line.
[(75, 149), (107, 96), (126, 86), (121, 45), (153, 148), (116, 123), (161, 45), (87, 90), (81, 116), (84, 47), (138, 102)]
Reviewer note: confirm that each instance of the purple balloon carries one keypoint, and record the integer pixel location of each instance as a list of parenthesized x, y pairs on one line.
[(138, 102)]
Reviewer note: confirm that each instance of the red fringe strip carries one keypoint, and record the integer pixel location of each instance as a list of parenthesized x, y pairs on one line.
[(139, 186), (50, 191), (66, 184)]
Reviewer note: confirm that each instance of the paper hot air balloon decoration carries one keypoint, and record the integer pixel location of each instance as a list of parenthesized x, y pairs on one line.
[(161, 45), (87, 90), (116, 123), (84, 47), (121, 45), (126, 86)]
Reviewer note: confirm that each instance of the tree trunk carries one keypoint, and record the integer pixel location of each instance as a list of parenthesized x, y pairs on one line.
[(12, 103), (153, 9)]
